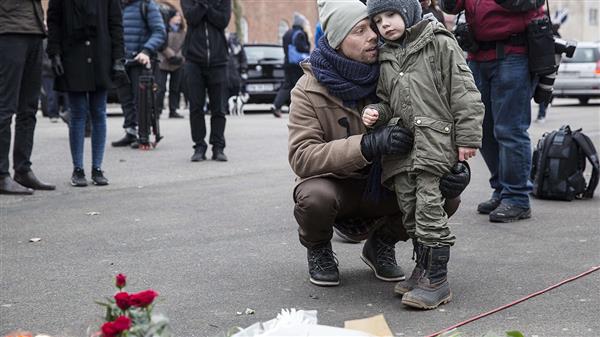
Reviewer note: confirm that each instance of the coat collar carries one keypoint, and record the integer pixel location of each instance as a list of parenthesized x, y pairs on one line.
[(312, 85), (416, 38)]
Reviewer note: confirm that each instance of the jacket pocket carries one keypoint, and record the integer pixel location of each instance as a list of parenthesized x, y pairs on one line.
[(434, 141)]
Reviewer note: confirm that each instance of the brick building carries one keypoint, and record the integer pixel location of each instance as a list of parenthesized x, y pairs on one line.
[(266, 20)]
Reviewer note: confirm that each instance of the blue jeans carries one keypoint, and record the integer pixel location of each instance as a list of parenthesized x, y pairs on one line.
[(506, 90), (82, 103)]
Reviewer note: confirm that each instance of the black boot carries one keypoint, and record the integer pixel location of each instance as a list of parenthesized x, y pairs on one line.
[(9, 186), (218, 154), (199, 154), (488, 206), (432, 289), (403, 287), (28, 179), (125, 141), (381, 257), (322, 266)]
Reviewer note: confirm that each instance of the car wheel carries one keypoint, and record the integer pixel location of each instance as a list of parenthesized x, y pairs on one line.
[(584, 101)]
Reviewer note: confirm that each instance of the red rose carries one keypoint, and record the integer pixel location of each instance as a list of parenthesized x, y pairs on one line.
[(122, 300), (143, 298), (121, 281), (112, 329)]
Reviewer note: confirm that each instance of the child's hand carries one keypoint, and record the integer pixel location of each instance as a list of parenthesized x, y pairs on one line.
[(464, 153), (370, 116)]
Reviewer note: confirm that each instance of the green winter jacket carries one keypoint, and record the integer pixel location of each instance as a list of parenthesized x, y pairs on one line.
[(426, 86)]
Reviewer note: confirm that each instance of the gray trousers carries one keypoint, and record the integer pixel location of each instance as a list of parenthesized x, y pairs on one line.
[(422, 206)]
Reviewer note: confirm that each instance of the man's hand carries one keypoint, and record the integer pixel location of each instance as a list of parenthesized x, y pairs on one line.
[(142, 58), (389, 140), (370, 116), (118, 74), (464, 153), (57, 66), (454, 183)]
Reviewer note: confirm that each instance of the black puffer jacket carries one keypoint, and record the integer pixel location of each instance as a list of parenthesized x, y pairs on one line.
[(205, 42)]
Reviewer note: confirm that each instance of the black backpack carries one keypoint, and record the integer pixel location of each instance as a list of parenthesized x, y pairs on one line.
[(559, 162)]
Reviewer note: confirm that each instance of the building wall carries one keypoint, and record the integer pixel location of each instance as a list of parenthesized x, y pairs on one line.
[(583, 23), (264, 17)]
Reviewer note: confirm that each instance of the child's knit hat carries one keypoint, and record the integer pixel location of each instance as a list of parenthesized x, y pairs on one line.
[(410, 10)]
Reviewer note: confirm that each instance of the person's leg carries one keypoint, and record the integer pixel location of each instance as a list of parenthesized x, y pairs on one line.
[(128, 98), (511, 95), (80, 104), (97, 103), (405, 189), (542, 112), (12, 65), (51, 96), (196, 84), (175, 91), (217, 92), (28, 103), (161, 83), (434, 240), (283, 95)]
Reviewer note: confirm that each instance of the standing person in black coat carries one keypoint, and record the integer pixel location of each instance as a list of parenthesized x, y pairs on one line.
[(85, 45), (237, 68), (21, 33), (292, 71), (205, 51)]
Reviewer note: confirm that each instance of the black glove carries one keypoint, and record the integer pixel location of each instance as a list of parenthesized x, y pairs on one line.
[(452, 184), (57, 66), (118, 74), (175, 60), (394, 140)]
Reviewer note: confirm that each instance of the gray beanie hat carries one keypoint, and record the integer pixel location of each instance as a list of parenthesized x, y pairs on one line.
[(338, 17), (299, 19), (409, 10)]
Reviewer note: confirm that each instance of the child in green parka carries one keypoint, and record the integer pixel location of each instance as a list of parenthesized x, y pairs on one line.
[(425, 85)]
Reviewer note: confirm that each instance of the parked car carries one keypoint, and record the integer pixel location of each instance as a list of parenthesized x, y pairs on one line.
[(265, 71), (579, 76)]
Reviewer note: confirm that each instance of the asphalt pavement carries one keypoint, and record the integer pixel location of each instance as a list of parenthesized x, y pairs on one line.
[(216, 238)]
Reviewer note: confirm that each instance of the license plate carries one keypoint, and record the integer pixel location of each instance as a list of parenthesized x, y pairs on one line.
[(260, 87)]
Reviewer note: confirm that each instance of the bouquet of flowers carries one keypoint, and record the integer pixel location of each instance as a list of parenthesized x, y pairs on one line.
[(130, 315)]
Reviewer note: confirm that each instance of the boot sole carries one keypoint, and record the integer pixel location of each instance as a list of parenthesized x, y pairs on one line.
[(324, 283), (383, 278), (78, 185), (419, 305), (506, 220)]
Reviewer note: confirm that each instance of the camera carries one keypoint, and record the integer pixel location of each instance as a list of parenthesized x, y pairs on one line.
[(545, 53), (564, 47)]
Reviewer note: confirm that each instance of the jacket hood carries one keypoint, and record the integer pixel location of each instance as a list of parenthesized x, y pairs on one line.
[(415, 38)]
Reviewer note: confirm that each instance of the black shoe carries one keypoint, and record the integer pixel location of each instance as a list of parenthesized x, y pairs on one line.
[(9, 186), (403, 287), (199, 154), (218, 155), (276, 112), (488, 206), (381, 257), (28, 179), (432, 288), (509, 213), (98, 177), (174, 114), (78, 178), (135, 144), (322, 266), (125, 141)]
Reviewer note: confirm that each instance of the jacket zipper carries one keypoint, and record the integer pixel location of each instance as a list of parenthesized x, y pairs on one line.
[(207, 45)]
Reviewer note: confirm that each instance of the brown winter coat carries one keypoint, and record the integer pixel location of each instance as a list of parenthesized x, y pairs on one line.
[(324, 135), (174, 48), (427, 85)]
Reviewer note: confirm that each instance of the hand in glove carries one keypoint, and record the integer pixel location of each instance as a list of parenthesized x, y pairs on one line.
[(118, 74), (454, 183), (57, 66), (389, 140), (175, 60), (244, 76)]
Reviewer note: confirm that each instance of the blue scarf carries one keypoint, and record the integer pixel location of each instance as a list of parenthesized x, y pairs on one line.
[(346, 79)]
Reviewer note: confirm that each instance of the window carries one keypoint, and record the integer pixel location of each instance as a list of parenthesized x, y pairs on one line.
[(244, 24), (281, 29), (593, 16)]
